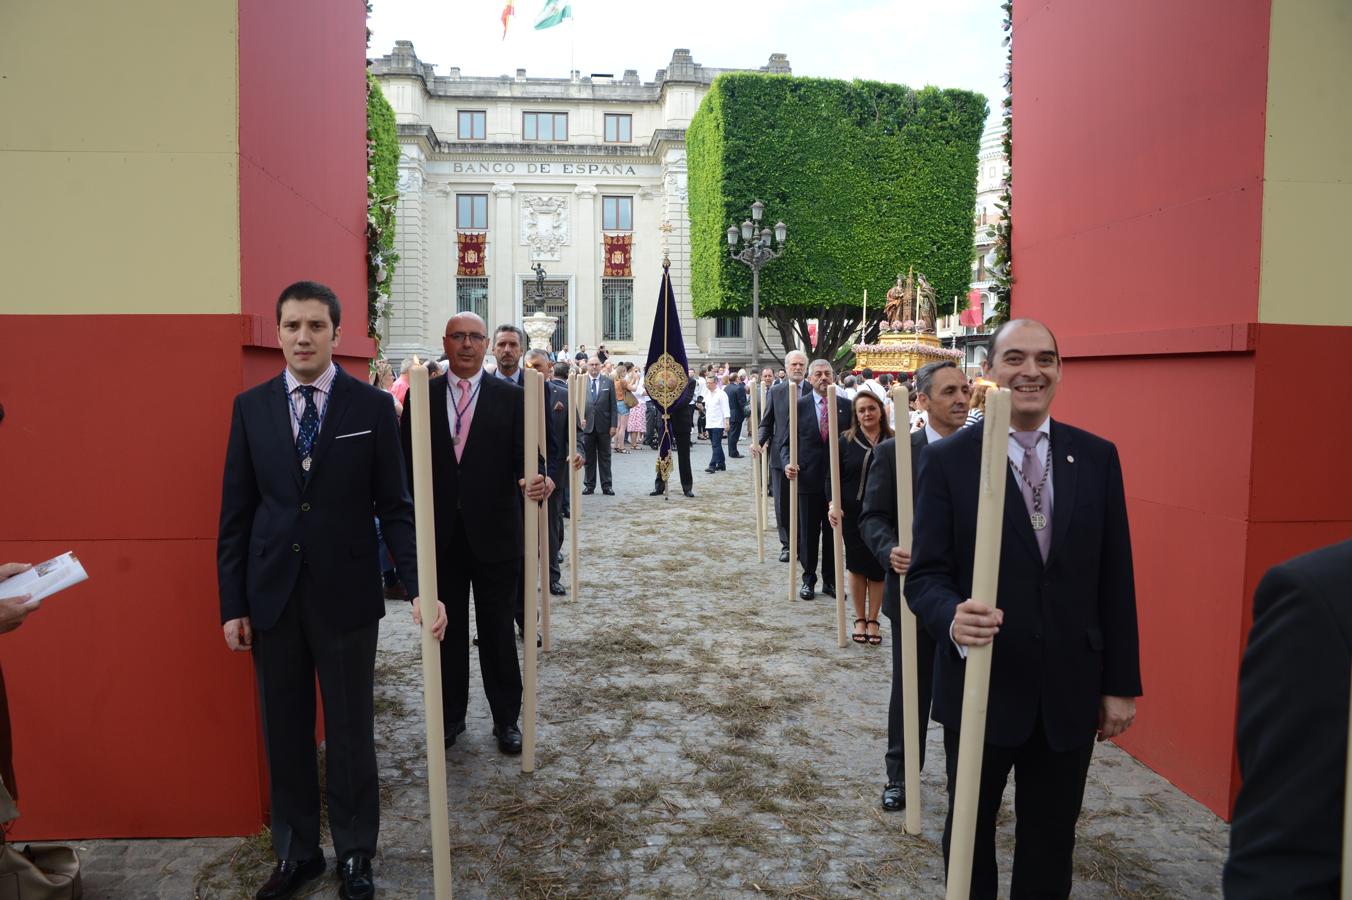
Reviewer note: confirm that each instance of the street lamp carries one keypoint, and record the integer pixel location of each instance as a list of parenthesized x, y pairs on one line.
[(758, 251)]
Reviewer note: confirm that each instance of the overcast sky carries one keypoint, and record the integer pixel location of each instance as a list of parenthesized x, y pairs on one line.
[(953, 43)]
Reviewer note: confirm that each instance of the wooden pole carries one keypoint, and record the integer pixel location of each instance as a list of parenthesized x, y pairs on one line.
[(574, 495), (976, 684), (838, 532), (426, 536), (530, 547), (546, 548), (757, 488), (910, 668), (793, 491)]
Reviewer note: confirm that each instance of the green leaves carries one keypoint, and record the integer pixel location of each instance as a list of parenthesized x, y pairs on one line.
[(870, 177)]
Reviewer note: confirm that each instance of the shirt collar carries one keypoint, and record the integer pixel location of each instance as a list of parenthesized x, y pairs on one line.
[(1044, 428), (930, 434), (323, 384), (454, 379)]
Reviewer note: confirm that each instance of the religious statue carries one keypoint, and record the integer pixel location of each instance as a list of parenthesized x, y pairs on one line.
[(925, 306), (898, 308)]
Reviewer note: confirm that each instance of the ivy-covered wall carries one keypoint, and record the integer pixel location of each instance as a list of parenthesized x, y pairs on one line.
[(870, 178), (382, 166)]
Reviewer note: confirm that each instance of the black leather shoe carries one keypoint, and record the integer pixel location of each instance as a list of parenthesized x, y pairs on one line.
[(894, 797), (806, 592), (608, 492), (354, 878), (656, 493), (509, 738), (688, 492), (784, 554), (828, 589), (289, 876), (453, 729), (736, 455), (589, 490), (556, 589), (711, 470)]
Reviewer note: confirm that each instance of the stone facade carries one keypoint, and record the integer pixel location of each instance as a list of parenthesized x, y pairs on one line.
[(546, 168)]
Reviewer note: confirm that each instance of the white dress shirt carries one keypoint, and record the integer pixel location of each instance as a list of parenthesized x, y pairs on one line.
[(453, 396), (716, 409)]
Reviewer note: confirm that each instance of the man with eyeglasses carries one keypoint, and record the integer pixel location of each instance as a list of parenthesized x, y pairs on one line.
[(477, 472)]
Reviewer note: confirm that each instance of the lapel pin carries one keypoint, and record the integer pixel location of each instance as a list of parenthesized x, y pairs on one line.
[(1070, 459)]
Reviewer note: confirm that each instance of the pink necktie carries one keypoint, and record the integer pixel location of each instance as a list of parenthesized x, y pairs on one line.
[(823, 422), (463, 416)]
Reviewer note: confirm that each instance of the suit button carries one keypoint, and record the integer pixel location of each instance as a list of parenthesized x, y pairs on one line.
[(305, 507), (1037, 637), (295, 547)]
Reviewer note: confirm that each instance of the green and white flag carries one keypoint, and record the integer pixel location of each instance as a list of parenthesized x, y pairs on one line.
[(555, 11)]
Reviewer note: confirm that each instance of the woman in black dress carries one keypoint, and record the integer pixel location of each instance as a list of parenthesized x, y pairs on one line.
[(856, 456)]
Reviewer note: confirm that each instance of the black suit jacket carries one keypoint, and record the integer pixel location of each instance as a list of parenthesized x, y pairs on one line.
[(274, 516), (737, 400), (1286, 835), (600, 414), (814, 454), (556, 431), (878, 519), (483, 483), (774, 423), (1069, 634)]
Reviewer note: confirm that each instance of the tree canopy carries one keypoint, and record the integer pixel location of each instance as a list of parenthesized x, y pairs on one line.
[(871, 179)]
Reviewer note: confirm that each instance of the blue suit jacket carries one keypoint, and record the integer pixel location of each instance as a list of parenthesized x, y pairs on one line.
[(1069, 633)]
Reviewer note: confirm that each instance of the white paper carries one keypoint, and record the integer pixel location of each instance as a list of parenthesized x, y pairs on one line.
[(44, 579)]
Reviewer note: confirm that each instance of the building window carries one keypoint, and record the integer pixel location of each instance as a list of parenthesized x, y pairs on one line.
[(619, 128), (471, 211), (728, 328), (473, 125), (544, 126), (617, 309), (617, 213), (471, 295)]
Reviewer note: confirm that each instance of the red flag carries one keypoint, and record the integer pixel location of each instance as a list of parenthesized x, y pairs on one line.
[(507, 11)]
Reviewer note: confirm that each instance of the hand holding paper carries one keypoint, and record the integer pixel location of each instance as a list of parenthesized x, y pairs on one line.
[(42, 580)]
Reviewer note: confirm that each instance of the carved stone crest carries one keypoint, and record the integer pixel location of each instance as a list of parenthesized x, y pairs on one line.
[(544, 225)]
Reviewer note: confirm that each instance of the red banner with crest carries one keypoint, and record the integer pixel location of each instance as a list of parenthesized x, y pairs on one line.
[(471, 253), (619, 255)]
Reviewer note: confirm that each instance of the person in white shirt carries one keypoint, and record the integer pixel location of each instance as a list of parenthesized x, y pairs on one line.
[(716, 416), (869, 383)]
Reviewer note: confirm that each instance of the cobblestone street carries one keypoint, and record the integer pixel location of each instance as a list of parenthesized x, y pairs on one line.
[(700, 736)]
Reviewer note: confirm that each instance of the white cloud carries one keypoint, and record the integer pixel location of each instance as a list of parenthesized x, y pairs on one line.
[(955, 43)]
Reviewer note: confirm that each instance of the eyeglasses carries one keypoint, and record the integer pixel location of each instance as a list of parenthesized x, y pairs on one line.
[(459, 337)]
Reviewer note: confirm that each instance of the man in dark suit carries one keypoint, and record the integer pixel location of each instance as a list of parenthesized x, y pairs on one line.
[(477, 469), (598, 427), (556, 465), (509, 342), (812, 479), (773, 438), (737, 411), (945, 393), (1066, 662), (313, 457), (682, 420), (1286, 837)]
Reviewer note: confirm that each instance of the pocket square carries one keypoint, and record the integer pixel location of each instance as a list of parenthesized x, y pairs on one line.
[(558, 405), (353, 434)]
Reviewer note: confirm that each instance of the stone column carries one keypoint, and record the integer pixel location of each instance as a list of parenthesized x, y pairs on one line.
[(408, 325), (584, 308), (501, 253), (675, 212)]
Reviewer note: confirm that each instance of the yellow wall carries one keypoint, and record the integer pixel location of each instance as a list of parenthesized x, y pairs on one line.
[(119, 156), (1307, 179)]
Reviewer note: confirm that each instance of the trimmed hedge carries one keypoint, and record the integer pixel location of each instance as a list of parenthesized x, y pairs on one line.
[(870, 177)]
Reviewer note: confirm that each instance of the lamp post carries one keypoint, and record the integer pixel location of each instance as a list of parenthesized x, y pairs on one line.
[(757, 251)]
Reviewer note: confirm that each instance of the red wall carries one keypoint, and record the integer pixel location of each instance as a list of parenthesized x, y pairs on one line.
[(130, 717), (1138, 163)]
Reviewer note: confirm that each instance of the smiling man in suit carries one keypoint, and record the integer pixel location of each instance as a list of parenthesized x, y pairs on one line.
[(477, 474), (812, 478), (1066, 661), (313, 458), (943, 391)]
